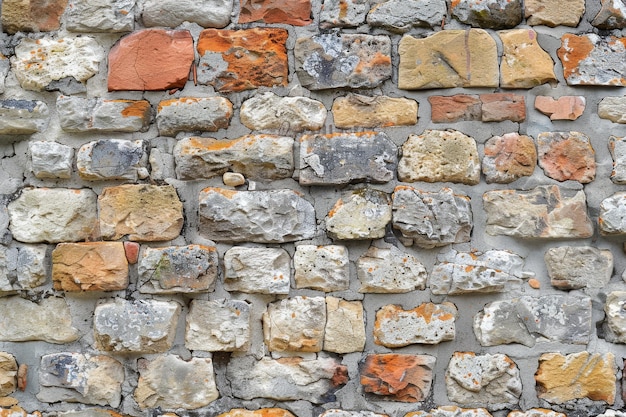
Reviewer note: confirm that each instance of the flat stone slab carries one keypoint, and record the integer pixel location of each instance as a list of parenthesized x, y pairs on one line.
[(401, 16), (218, 326), (524, 64), (576, 267), (257, 270), (23, 117), (345, 326), (613, 109), (78, 114), (193, 114), (112, 159), (269, 112), (100, 16), (390, 270), (295, 324), (398, 377), (490, 14), (593, 60), (172, 13), (359, 214), (554, 13), (324, 268), (355, 110), (508, 158)]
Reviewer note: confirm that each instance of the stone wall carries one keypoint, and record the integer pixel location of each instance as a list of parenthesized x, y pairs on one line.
[(338, 208)]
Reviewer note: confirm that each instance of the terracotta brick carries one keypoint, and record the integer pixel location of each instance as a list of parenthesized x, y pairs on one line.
[(460, 107), (563, 108), (396, 377), (294, 12)]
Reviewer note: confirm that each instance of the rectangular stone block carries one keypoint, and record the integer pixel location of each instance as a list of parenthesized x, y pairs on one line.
[(359, 214), (295, 12), (49, 160), (172, 13), (100, 16), (192, 114), (257, 270), (398, 377), (356, 110), (22, 267), (325, 268), (77, 114), (218, 326), (345, 326), (112, 159), (267, 111), (590, 59), (23, 117), (295, 324), (389, 270)]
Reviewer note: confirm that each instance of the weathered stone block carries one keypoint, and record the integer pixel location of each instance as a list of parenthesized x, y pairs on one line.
[(172, 13), (491, 14), (112, 159), (8, 374), (343, 13), (23, 117), (356, 110), (218, 325), (612, 217), (508, 158), (456, 108), (401, 16), (592, 60), (535, 412), (564, 107), (612, 15), (554, 13), (566, 156), (360, 214), (576, 267), (257, 270), (16, 411), (613, 109), (453, 411), (267, 111), (31, 15), (325, 268), (295, 324), (262, 412), (193, 114), (428, 324), (389, 270), (395, 377), (78, 114), (348, 413), (22, 267), (296, 12), (524, 62), (100, 15), (345, 326), (498, 107), (615, 320)]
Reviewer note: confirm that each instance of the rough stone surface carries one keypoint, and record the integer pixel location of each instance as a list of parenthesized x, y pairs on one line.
[(22, 267), (397, 377), (100, 15), (295, 324), (263, 412), (456, 108), (389, 270), (347, 413), (612, 15), (401, 16), (453, 411), (171, 13), (192, 114), (535, 412), (31, 15), (257, 270), (613, 109), (615, 321), (612, 217), (490, 381), (334, 60), (576, 267), (525, 64), (562, 108), (343, 13), (218, 325), (50, 159), (267, 111), (566, 156), (8, 374), (78, 114), (491, 14), (431, 219), (23, 117), (356, 110), (345, 326), (525, 214), (296, 13), (359, 214), (508, 158), (325, 268), (112, 159), (553, 13), (498, 107), (589, 59)]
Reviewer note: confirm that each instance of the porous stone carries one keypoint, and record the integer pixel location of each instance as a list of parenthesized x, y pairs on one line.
[(360, 214), (151, 59), (562, 108), (39, 62), (452, 411), (31, 15), (255, 216), (140, 326), (90, 266), (589, 59), (431, 219), (257, 270), (456, 108), (524, 320), (553, 13), (562, 378), (612, 217), (508, 158), (170, 382), (172, 13), (343, 13), (260, 157), (325, 268), (335, 60), (535, 412), (53, 215), (78, 114), (238, 60), (498, 107), (267, 111), (612, 15), (428, 324), (439, 156), (613, 109), (49, 321), (177, 269), (576, 267), (525, 64), (23, 117), (450, 58), (615, 320), (401, 16), (390, 270), (397, 377), (263, 412), (527, 214), (345, 326), (295, 324), (348, 413), (22, 267), (490, 381), (8, 374), (491, 14), (342, 158), (218, 326), (192, 114), (355, 110), (144, 213), (296, 13), (100, 15), (112, 159), (77, 377), (617, 147), (566, 156)]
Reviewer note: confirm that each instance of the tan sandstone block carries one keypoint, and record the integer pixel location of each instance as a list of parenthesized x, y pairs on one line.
[(524, 63), (356, 110)]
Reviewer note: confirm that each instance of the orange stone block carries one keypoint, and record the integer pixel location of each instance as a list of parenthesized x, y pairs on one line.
[(405, 378), (293, 12), (593, 60)]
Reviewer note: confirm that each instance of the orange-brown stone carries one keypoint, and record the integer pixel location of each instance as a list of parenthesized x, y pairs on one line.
[(32, 15), (566, 156), (460, 107), (132, 252), (263, 412), (563, 108), (498, 107), (293, 12), (508, 158), (405, 378), (593, 60)]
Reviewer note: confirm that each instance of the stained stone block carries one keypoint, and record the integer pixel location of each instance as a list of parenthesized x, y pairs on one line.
[(345, 326), (566, 156), (615, 321), (325, 268), (508, 158), (343, 13), (267, 111), (78, 114), (218, 325), (401, 16), (491, 14), (589, 59), (348, 413), (554, 13), (564, 107), (525, 64), (456, 108), (100, 16), (294, 12), (535, 412), (112, 159), (50, 159), (576, 267), (396, 377), (22, 267), (172, 13), (498, 107), (295, 324), (389, 270), (257, 270), (612, 15), (612, 217), (263, 412), (23, 117), (451, 411), (355, 110), (360, 214), (613, 109), (31, 15), (193, 114), (8, 374)]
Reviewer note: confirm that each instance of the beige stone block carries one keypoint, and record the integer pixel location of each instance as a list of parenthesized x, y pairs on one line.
[(524, 63), (356, 110)]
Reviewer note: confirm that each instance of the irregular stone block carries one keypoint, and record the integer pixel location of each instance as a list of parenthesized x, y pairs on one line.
[(324, 268), (345, 326), (218, 326), (22, 267), (23, 117), (452, 411), (5, 66), (334, 60), (263, 412), (525, 64), (395, 377), (140, 326), (535, 412), (566, 156), (31, 15), (576, 267), (39, 62), (456, 108), (16, 411), (347, 413), (257, 270), (78, 114), (401, 16), (177, 269), (431, 219), (53, 215), (343, 13), (617, 147), (428, 324), (356, 110), (498, 107), (49, 321), (238, 60), (144, 213), (361, 214), (191, 114), (592, 60), (527, 214), (563, 108), (491, 14), (267, 111), (439, 156), (613, 109), (112, 159), (615, 320), (295, 324), (100, 16), (172, 13), (612, 15), (508, 158), (151, 59), (450, 58), (255, 216), (523, 320), (8, 374), (492, 381), (76, 377), (389, 270), (344, 158), (612, 217), (171, 382), (553, 13), (260, 157), (296, 13)]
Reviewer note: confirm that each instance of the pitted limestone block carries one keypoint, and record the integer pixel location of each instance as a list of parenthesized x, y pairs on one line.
[(612, 217), (428, 324), (267, 111), (324, 268), (390, 270), (53, 215), (554, 12), (490, 381), (295, 324), (23, 117), (83, 378), (255, 216), (456, 108), (396, 377), (525, 64), (8, 374), (172, 13), (262, 412), (335, 60), (285, 379), (49, 320), (295, 12), (450, 58), (401, 16), (613, 109), (31, 15), (257, 270), (563, 108), (260, 157), (612, 15), (141, 326), (589, 59), (498, 107), (78, 114), (342, 158), (343, 13), (440, 156), (112, 159), (491, 14), (345, 326), (22, 267), (524, 320), (535, 412), (576, 267), (508, 158), (431, 219), (193, 114), (39, 62), (615, 321), (566, 156), (355, 110), (171, 382), (177, 269), (360, 214), (218, 326), (100, 16), (545, 212)]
